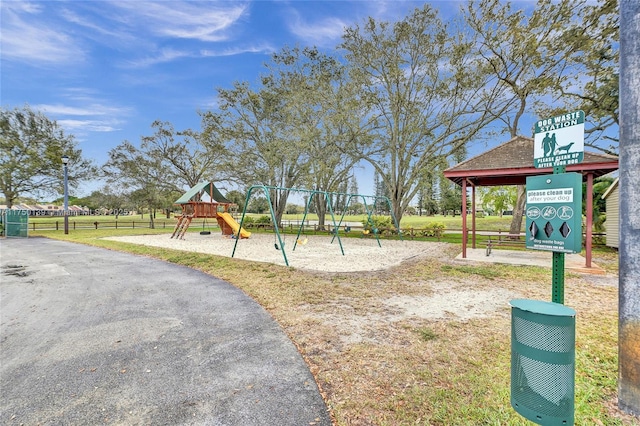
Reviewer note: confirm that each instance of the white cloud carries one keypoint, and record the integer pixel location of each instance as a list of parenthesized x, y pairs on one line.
[(88, 110), (34, 33), (204, 21), (162, 56), (238, 50), (27, 36), (88, 125), (168, 55), (84, 114), (323, 33), (98, 29)]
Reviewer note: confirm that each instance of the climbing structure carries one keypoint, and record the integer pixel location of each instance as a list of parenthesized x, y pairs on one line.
[(217, 208)]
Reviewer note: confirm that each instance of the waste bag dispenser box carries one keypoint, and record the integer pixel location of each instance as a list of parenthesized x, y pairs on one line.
[(543, 361), (554, 212)]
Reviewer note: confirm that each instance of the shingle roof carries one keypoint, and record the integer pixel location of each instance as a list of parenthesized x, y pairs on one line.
[(511, 162), (199, 188)]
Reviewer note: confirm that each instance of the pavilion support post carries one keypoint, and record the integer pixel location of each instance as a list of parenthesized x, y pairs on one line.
[(589, 231), (464, 218), (473, 216), (629, 252)]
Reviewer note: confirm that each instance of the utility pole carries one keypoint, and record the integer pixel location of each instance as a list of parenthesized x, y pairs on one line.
[(629, 250)]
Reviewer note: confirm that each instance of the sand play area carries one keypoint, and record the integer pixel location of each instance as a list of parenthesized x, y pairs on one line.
[(318, 253)]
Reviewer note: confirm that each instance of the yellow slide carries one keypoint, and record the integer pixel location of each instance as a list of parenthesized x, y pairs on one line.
[(234, 225)]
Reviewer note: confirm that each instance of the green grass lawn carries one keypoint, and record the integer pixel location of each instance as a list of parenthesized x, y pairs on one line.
[(163, 224), (418, 372), (451, 222), (487, 223)]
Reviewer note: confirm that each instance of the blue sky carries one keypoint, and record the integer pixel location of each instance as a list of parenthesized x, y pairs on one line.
[(105, 70)]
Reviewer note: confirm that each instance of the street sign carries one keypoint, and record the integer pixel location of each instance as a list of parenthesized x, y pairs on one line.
[(554, 213), (559, 140)]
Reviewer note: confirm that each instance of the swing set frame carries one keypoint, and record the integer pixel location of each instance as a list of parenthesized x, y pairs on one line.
[(327, 195)]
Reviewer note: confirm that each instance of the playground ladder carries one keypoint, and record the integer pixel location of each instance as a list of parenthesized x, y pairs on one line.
[(182, 226)]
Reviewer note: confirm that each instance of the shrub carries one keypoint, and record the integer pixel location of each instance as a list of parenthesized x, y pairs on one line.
[(380, 224), (248, 220), (434, 229), (263, 220)]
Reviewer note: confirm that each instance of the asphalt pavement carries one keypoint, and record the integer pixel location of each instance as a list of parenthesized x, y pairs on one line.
[(91, 336)]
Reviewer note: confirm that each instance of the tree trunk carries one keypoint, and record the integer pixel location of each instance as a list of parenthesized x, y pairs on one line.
[(398, 211), (321, 209), (10, 197), (518, 210), (279, 203), (152, 224)]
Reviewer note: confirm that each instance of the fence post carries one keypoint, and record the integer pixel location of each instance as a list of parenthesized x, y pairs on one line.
[(56, 225)]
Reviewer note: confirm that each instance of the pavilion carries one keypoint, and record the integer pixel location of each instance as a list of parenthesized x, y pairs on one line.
[(509, 164)]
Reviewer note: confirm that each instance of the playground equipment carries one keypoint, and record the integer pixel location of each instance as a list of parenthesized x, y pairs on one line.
[(370, 210), (194, 207), (328, 198)]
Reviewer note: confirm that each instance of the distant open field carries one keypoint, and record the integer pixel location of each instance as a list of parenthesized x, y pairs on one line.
[(488, 223)]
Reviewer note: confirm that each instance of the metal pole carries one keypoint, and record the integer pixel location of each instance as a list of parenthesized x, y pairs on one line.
[(629, 246), (473, 216), (557, 265), (65, 160), (588, 241), (464, 218), (557, 279)]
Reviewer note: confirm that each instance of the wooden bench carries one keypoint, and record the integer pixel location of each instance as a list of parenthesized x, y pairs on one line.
[(505, 240)]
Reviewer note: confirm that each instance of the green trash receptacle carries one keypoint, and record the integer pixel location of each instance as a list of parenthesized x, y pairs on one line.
[(543, 340)]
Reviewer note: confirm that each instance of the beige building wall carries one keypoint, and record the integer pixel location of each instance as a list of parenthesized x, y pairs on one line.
[(612, 225)]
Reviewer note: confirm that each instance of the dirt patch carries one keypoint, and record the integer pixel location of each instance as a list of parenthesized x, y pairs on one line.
[(453, 304), (355, 323)]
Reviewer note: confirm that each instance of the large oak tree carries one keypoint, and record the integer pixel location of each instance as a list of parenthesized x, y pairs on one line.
[(423, 95), (31, 150), (291, 130), (165, 164)]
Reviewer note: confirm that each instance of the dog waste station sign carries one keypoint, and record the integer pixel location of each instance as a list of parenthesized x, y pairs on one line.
[(554, 212), (559, 140), (554, 202)]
